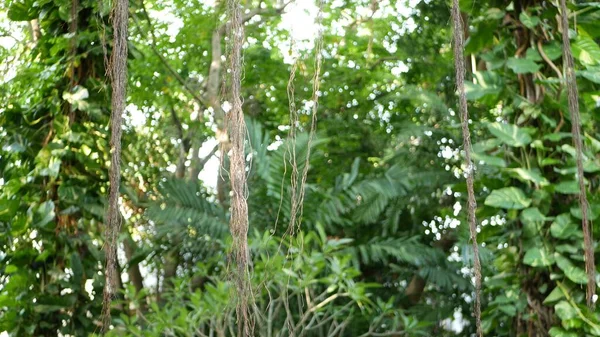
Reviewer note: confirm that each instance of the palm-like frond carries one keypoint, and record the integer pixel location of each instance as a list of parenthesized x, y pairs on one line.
[(375, 194), (443, 277), (184, 208), (408, 250)]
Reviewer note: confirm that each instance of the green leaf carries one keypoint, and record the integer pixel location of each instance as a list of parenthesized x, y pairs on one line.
[(559, 332), (529, 175), (479, 158), (567, 187), (290, 273), (510, 310), (571, 271), (70, 193), (22, 10), (482, 37), (593, 211), (53, 168), (592, 75), (563, 227), (529, 21), (475, 91), (44, 214), (565, 311), (554, 296), (486, 145), (538, 257), (533, 216), (556, 137), (533, 54), (8, 208), (508, 198), (553, 50), (77, 98), (495, 14), (523, 66), (566, 248), (19, 225), (586, 50), (45, 308), (77, 268), (571, 150), (509, 134)]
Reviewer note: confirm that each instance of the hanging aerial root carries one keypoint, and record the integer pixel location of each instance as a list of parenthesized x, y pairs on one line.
[(118, 76), (315, 104), (459, 61), (298, 181), (573, 97), (239, 206)]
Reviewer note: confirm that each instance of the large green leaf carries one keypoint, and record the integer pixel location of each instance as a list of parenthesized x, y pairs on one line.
[(556, 295), (572, 272), (43, 215), (509, 198), (528, 20), (563, 227), (593, 211), (529, 175), (565, 311), (532, 216), (509, 134), (482, 37), (586, 50), (567, 187), (553, 50), (523, 66), (8, 209), (592, 74), (533, 220), (538, 257), (488, 83), (23, 10), (479, 158), (559, 332)]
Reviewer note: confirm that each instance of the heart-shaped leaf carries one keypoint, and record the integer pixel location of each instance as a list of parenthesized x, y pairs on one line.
[(572, 272), (563, 227), (538, 257), (508, 198), (510, 134), (523, 66)]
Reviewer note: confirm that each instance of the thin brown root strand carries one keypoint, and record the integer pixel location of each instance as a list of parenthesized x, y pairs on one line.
[(239, 187), (573, 98), (118, 76), (459, 62)]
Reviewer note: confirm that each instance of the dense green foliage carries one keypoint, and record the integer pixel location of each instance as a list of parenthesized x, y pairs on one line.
[(383, 248)]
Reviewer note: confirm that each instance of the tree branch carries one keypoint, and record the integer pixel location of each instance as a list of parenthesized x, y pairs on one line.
[(198, 163), (164, 61), (259, 11)]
